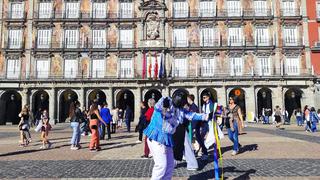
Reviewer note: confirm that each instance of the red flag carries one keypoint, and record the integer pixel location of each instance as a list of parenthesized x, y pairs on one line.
[(156, 67), (144, 68), (150, 65)]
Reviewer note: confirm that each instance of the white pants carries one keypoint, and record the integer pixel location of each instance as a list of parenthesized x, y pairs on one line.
[(189, 154), (163, 161)]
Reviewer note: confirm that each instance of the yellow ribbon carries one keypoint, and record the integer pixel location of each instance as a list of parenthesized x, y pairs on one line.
[(218, 146)]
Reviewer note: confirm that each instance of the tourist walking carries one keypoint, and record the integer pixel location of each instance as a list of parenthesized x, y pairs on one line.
[(306, 115), (38, 116), (225, 115), (298, 115), (76, 117), (234, 123), (95, 117), (120, 118), (277, 116), (128, 116), (115, 118), (84, 125), (168, 114), (106, 117), (25, 137), (314, 119), (45, 128), (142, 121), (148, 116)]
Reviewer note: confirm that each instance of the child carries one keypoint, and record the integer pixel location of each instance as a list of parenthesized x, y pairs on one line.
[(46, 127), (24, 127)]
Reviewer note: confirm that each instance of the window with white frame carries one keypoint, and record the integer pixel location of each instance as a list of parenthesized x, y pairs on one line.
[(207, 8), (126, 38), (179, 37), (235, 36), (99, 9), (16, 10), (264, 66), (236, 66), (70, 68), (262, 36), (45, 9), (260, 8), (13, 68), (207, 36), (290, 36), (318, 8), (180, 8), (42, 68), (44, 38), (98, 68), (98, 38), (180, 67), (72, 9), (126, 9), (208, 65), (15, 38), (234, 8), (292, 66), (126, 68), (289, 8), (71, 38), (153, 62)]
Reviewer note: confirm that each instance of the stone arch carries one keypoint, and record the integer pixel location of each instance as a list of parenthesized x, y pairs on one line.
[(10, 107), (152, 93), (65, 99), (98, 95), (40, 100), (264, 101), (241, 94), (125, 97), (292, 100)]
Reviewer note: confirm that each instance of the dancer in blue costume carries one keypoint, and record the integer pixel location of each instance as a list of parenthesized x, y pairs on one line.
[(168, 114)]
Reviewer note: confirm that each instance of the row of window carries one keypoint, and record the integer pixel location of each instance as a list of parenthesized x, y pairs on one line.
[(207, 8), (208, 37), (125, 70)]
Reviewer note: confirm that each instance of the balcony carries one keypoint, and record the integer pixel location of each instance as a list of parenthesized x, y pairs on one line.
[(290, 14), (315, 46), (111, 16), (14, 46), (15, 16), (293, 43)]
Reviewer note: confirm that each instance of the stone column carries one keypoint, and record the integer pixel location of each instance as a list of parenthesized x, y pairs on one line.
[(28, 38), (137, 98), (109, 97), (250, 101), (308, 97), (52, 103), (277, 97), (222, 95), (82, 97), (24, 97)]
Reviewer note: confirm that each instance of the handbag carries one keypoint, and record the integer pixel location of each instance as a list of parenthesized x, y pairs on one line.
[(38, 128)]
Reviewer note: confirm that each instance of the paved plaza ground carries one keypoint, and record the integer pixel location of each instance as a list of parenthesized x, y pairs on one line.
[(267, 153)]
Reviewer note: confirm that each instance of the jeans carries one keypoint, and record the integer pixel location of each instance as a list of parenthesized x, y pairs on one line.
[(266, 119), (108, 131), (140, 134), (314, 126), (299, 120), (102, 131), (197, 126), (128, 124), (75, 140), (233, 136)]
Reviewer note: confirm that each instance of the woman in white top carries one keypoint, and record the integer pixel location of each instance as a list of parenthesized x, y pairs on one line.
[(115, 118)]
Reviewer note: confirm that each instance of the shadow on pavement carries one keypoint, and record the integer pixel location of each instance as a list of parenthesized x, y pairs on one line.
[(210, 174)]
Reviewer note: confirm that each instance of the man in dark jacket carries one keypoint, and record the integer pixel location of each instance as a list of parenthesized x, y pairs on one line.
[(128, 117)]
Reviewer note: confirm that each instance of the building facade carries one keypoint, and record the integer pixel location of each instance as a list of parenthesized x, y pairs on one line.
[(126, 51)]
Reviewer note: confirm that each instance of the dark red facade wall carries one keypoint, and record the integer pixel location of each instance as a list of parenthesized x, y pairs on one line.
[(313, 34)]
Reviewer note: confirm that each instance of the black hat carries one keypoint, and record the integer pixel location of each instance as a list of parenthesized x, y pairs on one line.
[(166, 103), (179, 100)]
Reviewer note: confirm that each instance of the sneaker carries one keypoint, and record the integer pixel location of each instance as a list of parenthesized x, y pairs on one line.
[(49, 145), (150, 156), (138, 141), (92, 150), (30, 140), (234, 153), (144, 157), (42, 147), (98, 149), (74, 148), (83, 134), (204, 157), (175, 163)]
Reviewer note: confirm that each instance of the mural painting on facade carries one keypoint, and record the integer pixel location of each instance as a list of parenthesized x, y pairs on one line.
[(193, 63), (10, 107), (240, 94), (85, 64), (66, 98), (98, 96), (292, 100), (125, 99), (40, 101), (193, 32), (112, 35), (1, 64), (56, 66), (111, 65)]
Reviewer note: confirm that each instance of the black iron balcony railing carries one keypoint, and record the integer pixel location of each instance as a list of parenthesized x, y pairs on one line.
[(15, 15), (177, 73), (14, 44), (80, 15), (290, 12), (292, 42)]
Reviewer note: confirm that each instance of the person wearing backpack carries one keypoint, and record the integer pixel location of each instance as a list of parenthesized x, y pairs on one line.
[(75, 116)]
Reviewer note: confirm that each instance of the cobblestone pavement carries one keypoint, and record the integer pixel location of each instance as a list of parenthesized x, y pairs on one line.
[(267, 153)]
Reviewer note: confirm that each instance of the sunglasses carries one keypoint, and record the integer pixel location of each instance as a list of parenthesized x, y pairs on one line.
[(205, 97)]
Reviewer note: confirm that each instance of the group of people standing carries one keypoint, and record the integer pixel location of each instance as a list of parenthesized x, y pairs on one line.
[(170, 124)]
